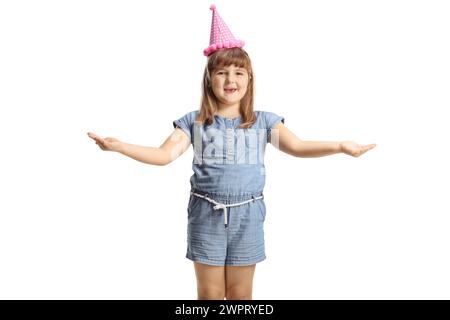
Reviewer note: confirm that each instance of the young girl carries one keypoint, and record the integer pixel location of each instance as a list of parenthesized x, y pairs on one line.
[(226, 209)]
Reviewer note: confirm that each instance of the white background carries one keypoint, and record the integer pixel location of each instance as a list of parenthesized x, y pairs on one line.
[(77, 222)]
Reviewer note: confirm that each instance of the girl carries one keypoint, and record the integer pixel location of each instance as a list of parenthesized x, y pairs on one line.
[(226, 209)]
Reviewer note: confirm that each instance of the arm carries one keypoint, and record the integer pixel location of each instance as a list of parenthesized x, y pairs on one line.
[(286, 141), (174, 146)]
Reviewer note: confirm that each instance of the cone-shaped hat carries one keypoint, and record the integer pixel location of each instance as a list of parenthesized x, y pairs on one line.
[(221, 37)]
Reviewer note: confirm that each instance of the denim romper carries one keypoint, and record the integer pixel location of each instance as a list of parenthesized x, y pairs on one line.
[(226, 209)]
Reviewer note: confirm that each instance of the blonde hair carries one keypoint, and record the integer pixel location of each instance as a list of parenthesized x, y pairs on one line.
[(224, 58)]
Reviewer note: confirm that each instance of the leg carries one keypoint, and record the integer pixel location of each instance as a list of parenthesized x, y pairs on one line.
[(239, 282), (210, 281)]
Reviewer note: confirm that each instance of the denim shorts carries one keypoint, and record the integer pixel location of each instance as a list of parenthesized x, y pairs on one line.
[(241, 243)]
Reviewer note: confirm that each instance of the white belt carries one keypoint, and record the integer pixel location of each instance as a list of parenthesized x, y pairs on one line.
[(223, 206)]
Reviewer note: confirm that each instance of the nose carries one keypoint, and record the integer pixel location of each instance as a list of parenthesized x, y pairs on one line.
[(230, 78)]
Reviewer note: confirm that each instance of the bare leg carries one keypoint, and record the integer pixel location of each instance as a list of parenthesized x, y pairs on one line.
[(239, 282), (210, 281)]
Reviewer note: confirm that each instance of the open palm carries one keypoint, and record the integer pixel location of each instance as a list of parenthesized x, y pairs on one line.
[(353, 149), (106, 144)]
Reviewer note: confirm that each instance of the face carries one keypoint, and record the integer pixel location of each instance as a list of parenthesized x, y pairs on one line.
[(229, 85)]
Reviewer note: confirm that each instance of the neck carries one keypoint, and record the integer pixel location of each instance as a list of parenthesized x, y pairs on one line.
[(228, 111)]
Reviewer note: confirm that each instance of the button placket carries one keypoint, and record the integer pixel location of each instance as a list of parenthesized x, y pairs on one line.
[(230, 141)]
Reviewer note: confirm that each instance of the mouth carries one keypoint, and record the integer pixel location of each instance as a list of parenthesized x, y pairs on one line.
[(230, 90)]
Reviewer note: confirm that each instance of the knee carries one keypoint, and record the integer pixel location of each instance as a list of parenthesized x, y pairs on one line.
[(239, 293), (211, 293)]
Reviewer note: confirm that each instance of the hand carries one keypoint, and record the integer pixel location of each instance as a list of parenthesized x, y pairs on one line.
[(353, 149), (106, 144)]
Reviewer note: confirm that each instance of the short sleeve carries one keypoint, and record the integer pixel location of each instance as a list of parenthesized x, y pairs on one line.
[(185, 123), (272, 119)]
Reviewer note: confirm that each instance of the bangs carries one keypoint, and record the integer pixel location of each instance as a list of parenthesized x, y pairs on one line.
[(228, 57)]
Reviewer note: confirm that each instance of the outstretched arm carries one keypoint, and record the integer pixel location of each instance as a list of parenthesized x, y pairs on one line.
[(286, 141), (174, 146)]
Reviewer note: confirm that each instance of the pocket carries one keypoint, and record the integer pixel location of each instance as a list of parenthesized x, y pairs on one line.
[(251, 143), (193, 203), (214, 152), (262, 209), (251, 150), (190, 201)]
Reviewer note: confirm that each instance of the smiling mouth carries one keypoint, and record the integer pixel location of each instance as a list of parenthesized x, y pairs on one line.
[(230, 90)]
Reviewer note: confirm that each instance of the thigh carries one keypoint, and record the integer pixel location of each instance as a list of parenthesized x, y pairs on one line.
[(206, 234), (246, 234), (210, 279), (239, 278)]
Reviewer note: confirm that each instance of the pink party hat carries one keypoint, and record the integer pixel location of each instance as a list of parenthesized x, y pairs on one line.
[(221, 37)]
